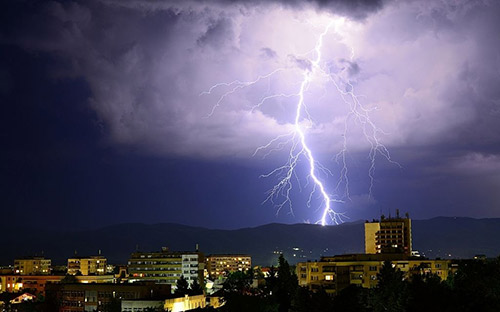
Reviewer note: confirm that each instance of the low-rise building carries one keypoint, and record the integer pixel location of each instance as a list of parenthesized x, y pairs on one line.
[(185, 303), (338, 272), (37, 283), (174, 304), (94, 297), (32, 266), (92, 265), (11, 283), (222, 264)]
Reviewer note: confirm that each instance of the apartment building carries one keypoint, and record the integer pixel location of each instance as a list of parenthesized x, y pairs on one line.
[(32, 266), (222, 264), (165, 266), (92, 265), (389, 235), (336, 273)]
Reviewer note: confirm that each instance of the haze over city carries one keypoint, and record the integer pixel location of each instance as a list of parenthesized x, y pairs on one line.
[(105, 121)]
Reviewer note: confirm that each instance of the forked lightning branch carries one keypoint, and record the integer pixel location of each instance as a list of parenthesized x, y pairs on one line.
[(297, 143)]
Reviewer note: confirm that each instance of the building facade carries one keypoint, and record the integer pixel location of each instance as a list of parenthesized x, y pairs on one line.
[(220, 265), (95, 297), (36, 283), (32, 266), (93, 265), (166, 267), (389, 235), (338, 272)]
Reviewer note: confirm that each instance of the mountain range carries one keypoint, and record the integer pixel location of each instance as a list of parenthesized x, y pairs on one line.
[(441, 237)]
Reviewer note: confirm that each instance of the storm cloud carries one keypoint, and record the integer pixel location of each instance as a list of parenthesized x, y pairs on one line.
[(427, 71)]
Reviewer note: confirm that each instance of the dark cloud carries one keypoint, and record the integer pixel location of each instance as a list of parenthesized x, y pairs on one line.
[(301, 63), (356, 9), (426, 71), (268, 53), (219, 33), (351, 67)]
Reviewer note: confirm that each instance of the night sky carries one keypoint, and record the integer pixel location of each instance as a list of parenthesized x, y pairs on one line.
[(104, 119)]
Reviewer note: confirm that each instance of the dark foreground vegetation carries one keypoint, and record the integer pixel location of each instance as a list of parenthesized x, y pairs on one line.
[(474, 287)]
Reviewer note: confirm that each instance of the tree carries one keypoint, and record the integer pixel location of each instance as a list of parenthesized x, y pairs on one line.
[(302, 300), (476, 285), (305, 300), (351, 299), (286, 285), (390, 294), (271, 280), (196, 288), (426, 292), (181, 287), (238, 282)]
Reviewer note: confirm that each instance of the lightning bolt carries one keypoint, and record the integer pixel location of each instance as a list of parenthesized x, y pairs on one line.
[(297, 139)]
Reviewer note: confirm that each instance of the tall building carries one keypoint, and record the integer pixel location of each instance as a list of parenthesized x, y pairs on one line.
[(166, 267), (218, 265), (93, 265), (32, 266), (388, 236)]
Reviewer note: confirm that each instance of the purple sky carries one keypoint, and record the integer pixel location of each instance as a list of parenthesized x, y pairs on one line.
[(104, 120)]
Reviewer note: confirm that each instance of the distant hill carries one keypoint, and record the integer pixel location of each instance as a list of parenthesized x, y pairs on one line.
[(439, 237)]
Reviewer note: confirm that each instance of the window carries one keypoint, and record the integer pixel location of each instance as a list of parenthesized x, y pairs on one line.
[(356, 276)]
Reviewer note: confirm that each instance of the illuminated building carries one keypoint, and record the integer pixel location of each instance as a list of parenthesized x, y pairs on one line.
[(33, 283), (93, 297), (93, 265), (336, 273), (218, 265), (385, 240), (37, 283), (166, 267), (185, 303), (179, 304), (32, 266), (11, 283), (392, 235), (23, 298)]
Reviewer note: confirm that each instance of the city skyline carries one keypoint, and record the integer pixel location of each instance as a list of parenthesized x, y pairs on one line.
[(105, 120)]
